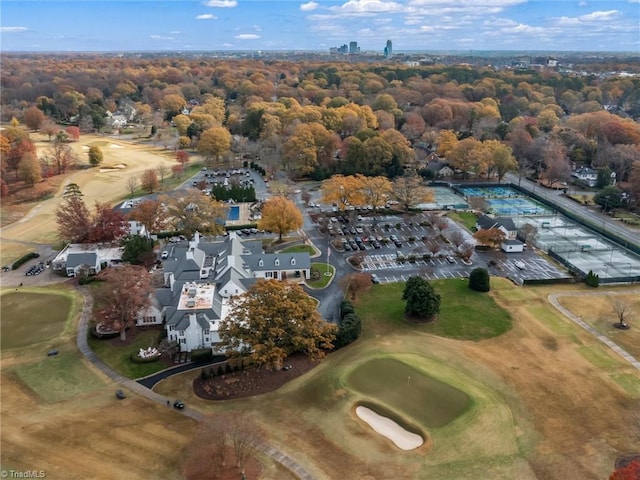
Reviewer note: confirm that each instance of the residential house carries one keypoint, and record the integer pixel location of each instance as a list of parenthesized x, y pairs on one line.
[(439, 168), (201, 277), (586, 175), (505, 224)]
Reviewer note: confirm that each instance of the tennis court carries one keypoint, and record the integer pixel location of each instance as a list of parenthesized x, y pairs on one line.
[(506, 201), (581, 247), (444, 198)]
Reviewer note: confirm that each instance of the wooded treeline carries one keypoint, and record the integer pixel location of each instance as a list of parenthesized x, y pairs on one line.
[(320, 118)]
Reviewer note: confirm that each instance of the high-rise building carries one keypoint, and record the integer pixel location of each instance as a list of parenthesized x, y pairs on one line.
[(353, 47), (388, 49)]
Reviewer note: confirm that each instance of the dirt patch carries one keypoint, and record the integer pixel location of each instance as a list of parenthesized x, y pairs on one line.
[(251, 381)]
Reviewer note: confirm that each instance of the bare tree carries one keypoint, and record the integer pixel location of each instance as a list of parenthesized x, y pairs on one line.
[(456, 237), (622, 309), (162, 171), (528, 232), (132, 185), (479, 204), (466, 250), (355, 284)]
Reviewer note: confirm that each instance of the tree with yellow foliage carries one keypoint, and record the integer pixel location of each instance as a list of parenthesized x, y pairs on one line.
[(280, 215), (343, 190)]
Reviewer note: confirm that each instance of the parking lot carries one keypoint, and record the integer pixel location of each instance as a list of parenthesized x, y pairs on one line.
[(395, 247)]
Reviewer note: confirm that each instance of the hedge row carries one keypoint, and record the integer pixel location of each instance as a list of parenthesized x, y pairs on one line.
[(24, 259)]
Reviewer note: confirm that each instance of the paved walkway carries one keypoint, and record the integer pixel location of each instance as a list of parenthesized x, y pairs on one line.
[(83, 345), (553, 298)]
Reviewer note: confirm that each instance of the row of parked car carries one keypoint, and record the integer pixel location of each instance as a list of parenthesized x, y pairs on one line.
[(36, 269)]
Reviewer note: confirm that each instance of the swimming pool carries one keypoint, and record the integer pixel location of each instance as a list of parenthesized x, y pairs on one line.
[(234, 213)]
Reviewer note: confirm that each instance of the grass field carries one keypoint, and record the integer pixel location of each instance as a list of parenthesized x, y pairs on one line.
[(546, 401), (474, 318), (467, 219), (109, 185), (58, 378), (404, 389), (327, 271), (119, 357), (300, 249), (33, 315)]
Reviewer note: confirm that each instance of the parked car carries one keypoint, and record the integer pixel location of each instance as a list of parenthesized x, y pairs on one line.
[(519, 264), (164, 255), (178, 405), (374, 278), (450, 259), (120, 395)]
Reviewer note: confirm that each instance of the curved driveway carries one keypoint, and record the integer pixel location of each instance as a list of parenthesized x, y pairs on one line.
[(553, 298)]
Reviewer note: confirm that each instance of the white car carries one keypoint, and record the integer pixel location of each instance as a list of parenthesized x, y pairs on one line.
[(164, 255), (519, 264)]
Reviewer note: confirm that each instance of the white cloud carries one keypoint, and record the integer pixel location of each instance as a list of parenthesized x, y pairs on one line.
[(206, 16), (221, 3), (600, 16), (584, 4), (247, 36), (360, 7), (13, 29), (175, 32), (307, 7), (160, 37)]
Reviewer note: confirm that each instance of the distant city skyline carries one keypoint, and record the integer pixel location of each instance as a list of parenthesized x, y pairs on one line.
[(423, 25)]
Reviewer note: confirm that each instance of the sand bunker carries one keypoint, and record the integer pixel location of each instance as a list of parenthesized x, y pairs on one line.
[(113, 145), (114, 168), (403, 439)]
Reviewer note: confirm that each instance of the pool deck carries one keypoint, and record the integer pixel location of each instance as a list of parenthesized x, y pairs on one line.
[(244, 217)]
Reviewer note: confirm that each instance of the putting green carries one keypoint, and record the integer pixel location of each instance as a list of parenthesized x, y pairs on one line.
[(30, 317), (429, 401)]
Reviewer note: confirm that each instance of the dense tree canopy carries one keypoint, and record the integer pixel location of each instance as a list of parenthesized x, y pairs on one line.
[(273, 320), (280, 215)]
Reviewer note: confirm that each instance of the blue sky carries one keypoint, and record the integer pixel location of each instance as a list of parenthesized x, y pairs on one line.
[(179, 25)]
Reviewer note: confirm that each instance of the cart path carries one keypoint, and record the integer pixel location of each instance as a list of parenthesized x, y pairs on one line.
[(83, 345), (553, 298)]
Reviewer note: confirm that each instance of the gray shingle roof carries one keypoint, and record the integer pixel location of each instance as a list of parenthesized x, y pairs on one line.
[(77, 259), (277, 261)]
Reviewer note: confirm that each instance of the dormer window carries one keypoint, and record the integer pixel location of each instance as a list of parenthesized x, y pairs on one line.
[(293, 261), (260, 263), (277, 262)]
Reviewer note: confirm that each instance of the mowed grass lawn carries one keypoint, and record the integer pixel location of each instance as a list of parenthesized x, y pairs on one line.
[(58, 378), (299, 249), (33, 315), (118, 357), (464, 314), (408, 390)]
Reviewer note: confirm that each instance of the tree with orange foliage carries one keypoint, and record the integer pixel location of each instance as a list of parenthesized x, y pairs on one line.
[(151, 214), (492, 237), (125, 292), (149, 180), (280, 215), (272, 320)]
